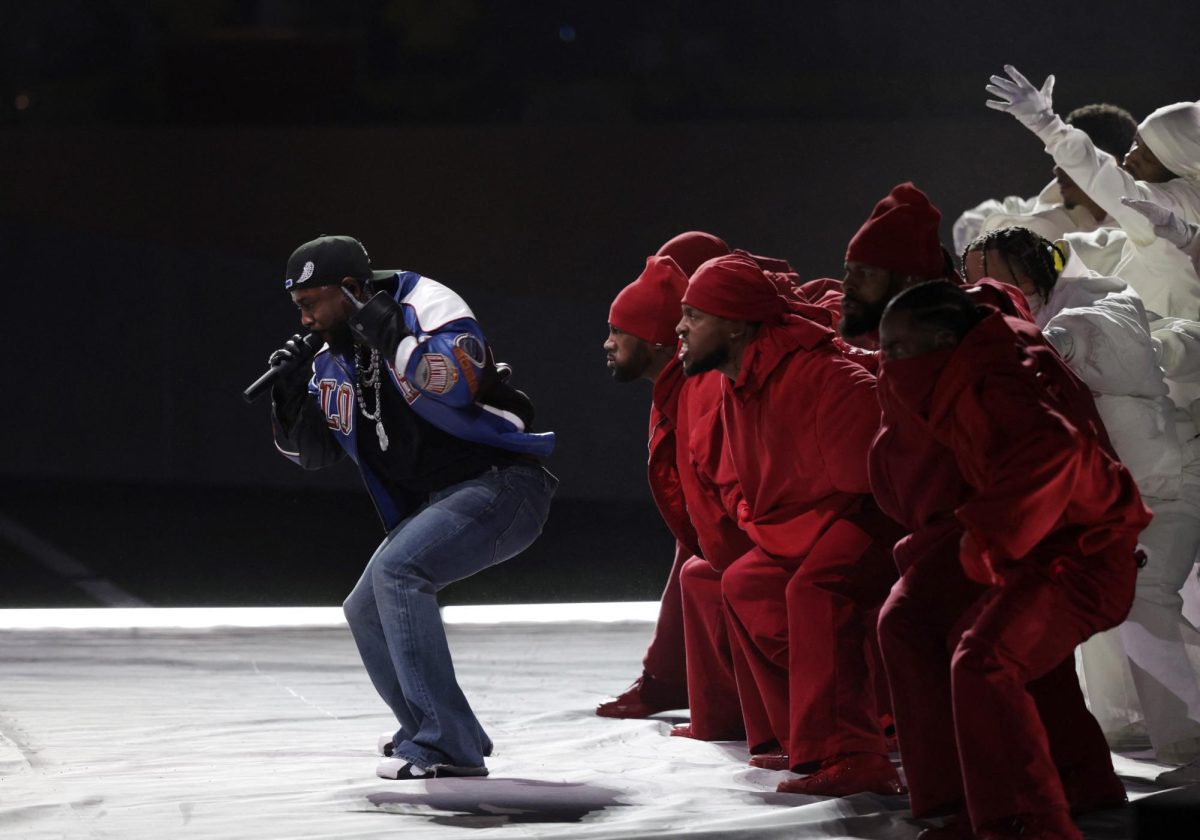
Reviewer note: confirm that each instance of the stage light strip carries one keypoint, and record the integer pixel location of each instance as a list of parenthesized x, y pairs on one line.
[(200, 618)]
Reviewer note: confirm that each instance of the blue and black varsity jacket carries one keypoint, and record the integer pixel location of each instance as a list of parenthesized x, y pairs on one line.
[(443, 371)]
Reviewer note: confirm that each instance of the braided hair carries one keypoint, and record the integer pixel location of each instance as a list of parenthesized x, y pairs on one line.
[(1025, 255)]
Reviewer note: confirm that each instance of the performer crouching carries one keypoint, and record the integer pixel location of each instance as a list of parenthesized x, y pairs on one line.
[(406, 386)]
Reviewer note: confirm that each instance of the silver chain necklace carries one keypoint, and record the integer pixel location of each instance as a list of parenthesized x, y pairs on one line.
[(372, 377)]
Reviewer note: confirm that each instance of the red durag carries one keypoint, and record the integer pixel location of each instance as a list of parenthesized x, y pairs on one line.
[(692, 249), (734, 287)]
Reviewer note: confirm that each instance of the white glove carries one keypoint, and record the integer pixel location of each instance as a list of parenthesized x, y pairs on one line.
[(1167, 225), (1017, 96)]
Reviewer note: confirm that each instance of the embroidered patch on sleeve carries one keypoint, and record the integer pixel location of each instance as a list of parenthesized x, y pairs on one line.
[(472, 348), (435, 374), (467, 366)]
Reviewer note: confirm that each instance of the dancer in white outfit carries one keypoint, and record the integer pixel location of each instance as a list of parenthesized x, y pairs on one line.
[(1163, 166), (1061, 208)]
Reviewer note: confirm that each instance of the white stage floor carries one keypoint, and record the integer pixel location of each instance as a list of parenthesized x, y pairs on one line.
[(139, 730)]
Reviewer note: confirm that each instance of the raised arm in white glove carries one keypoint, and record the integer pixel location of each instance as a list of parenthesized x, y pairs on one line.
[(1016, 95), (1167, 224)]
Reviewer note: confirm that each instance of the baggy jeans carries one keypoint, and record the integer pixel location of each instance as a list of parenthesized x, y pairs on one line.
[(393, 610)]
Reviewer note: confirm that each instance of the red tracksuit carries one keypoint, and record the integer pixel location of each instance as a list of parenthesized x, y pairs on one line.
[(998, 436), (665, 657), (709, 488), (799, 421), (691, 489)]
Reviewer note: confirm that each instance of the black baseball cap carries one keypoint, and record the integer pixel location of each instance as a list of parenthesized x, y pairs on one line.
[(326, 260)]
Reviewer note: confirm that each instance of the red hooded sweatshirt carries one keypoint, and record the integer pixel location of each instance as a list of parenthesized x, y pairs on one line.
[(1042, 484), (799, 419)]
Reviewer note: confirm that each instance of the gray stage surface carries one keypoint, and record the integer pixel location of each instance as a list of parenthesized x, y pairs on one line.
[(209, 731)]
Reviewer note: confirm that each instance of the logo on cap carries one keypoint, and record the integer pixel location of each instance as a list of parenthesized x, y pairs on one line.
[(309, 268)]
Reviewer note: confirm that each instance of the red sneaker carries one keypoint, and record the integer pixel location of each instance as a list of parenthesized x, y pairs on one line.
[(776, 759), (647, 696), (956, 828), (1050, 825), (844, 775)]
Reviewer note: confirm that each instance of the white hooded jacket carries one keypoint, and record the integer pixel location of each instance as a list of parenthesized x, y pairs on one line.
[(1100, 326)]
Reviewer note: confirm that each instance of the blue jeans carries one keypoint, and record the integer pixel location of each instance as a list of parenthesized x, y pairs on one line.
[(393, 610)]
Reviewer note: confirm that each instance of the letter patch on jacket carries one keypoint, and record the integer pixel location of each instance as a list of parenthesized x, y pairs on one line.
[(337, 401), (435, 373)]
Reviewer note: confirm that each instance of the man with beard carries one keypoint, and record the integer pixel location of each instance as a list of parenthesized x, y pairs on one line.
[(821, 555), (685, 446), (708, 688), (641, 345), (897, 247), (406, 386)]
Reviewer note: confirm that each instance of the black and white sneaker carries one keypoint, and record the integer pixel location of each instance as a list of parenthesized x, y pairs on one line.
[(401, 770), (386, 744)]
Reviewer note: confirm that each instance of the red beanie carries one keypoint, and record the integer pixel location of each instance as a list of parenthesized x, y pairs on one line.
[(901, 235), (648, 308), (734, 287), (693, 248)]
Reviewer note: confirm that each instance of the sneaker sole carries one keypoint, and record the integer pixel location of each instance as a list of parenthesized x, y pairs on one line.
[(397, 769)]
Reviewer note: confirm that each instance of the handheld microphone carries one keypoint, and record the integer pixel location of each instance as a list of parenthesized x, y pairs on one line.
[(306, 348)]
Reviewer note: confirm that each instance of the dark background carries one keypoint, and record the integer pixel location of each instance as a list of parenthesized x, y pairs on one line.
[(159, 161)]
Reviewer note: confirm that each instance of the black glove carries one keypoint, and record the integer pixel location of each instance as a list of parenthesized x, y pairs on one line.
[(292, 381), (294, 351), (379, 322)]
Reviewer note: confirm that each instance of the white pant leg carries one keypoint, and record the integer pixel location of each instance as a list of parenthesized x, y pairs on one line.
[(1107, 683), (1153, 635), (1191, 598)]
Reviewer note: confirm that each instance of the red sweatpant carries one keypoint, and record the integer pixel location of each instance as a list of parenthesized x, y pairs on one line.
[(716, 714), (803, 627), (665, 658), (987, 705), (833, 661)]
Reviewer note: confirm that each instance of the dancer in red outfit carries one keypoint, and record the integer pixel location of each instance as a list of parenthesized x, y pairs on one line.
[(806, 510), (916, 481), (1050, 521), (641, 345), (712, 663), (714, 666), (708, 484)]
